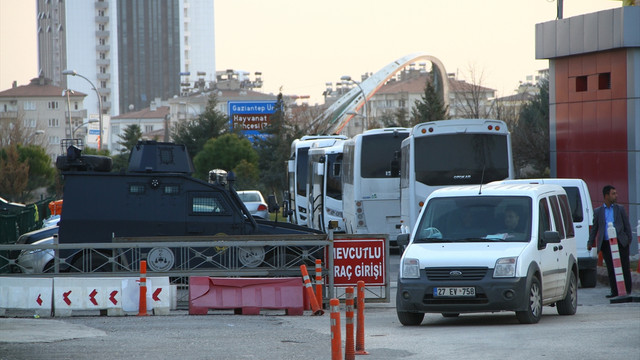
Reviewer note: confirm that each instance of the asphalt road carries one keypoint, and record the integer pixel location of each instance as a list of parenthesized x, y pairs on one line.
[(599, 330)]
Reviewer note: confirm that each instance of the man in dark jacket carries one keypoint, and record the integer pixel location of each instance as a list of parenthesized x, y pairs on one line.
[(616, 214)]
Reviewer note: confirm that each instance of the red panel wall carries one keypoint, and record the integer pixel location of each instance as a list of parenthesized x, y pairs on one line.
[(591, 125)]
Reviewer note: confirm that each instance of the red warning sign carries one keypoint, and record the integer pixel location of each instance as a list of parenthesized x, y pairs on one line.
[(359, 259)]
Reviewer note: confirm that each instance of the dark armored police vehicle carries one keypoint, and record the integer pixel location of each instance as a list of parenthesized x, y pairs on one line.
[(156, 196)]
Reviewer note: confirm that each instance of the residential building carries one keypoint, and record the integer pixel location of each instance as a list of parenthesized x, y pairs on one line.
[(152, 122), (45, 114), (398, 96), (130, 51)]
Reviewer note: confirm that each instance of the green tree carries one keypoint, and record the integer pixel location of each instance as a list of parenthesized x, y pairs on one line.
[(530, 135), (247, 176), (132, 134), (430, 107), (195, 133), (14, 174), (224, 152), (41, 173), (274, 150)]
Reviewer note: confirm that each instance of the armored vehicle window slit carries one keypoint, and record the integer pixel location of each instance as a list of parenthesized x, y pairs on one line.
[(136, 188), (208, 205)]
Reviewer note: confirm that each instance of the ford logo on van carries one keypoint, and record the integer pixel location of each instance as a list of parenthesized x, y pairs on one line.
[(455, 273)]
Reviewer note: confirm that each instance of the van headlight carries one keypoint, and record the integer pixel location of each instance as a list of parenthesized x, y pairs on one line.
[(505, 267), (410, 268)]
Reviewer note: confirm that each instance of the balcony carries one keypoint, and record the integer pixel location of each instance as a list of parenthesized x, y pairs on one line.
[(101, 76), (106, 105), (103, 48), (102, 19), (103, 62), (9, 115), (103, 33), (76, 114), (104, 91), (102, 5)]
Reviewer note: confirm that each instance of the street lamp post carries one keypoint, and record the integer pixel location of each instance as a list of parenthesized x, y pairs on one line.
[(32, 136), (74, 73), (366, 105), (73, 133)]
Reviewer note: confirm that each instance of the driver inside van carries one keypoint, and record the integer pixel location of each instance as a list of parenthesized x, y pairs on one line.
[(511, 219)]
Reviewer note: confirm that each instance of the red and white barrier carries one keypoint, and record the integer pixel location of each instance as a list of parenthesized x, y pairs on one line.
[(336, 336), (26, 294), (615, 255), (245, 296)]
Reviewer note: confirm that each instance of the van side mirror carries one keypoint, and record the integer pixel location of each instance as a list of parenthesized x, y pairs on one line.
[(272, 203), (403, 240), (551, 237)]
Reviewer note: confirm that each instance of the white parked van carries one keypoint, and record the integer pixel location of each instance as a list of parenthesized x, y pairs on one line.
[(491, 248), (582, 213)]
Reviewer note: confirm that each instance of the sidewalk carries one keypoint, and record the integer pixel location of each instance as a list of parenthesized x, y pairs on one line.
[(635, 278)]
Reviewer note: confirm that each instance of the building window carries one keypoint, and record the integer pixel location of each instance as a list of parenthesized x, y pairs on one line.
[(53, 105), (75, 105), (148, 128), (29, 105), (54, 140), (103, 70), (103, 56), (604, 81), (54, 123), (29, 123), (581, 83), (103, 84)]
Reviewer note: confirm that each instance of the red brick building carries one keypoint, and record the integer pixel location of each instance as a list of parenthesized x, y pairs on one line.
[(594, 90)]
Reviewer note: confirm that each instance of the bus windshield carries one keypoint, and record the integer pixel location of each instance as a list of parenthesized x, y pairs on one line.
[(378, 155), (464, 161)]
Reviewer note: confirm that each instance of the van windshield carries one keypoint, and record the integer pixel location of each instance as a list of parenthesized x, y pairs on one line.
[(475, 219)]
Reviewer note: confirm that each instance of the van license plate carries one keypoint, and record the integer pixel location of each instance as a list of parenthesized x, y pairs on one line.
[(454, 291)]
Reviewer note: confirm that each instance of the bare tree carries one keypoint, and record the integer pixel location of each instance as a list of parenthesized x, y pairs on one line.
[(13, 131), (471, 98)]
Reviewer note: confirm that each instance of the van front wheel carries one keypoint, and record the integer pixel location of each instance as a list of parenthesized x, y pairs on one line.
[(410, 318), (533, 313), (569, 304)]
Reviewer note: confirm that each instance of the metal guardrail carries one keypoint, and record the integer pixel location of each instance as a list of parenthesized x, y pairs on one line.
[(179, 257)]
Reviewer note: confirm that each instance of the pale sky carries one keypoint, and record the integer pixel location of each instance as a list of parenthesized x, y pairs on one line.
[(300, 45)]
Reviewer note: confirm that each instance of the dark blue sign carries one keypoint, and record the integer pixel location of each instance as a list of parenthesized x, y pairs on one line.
[(251, 117)]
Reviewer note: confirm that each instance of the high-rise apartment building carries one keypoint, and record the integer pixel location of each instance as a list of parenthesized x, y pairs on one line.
[(132, 51)]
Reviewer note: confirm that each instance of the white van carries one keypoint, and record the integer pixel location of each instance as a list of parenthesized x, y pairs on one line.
[(582, 213), (490, 248)]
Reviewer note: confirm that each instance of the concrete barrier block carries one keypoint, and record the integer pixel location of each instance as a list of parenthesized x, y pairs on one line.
[(159, 295), (76, 293), (26, 294), (245, 295)]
